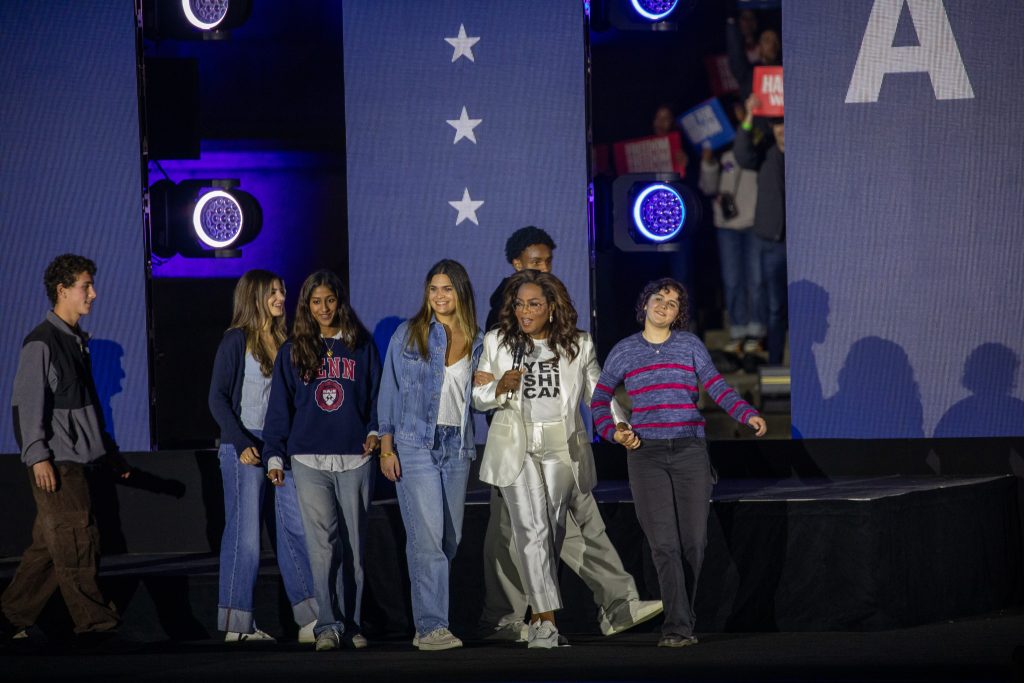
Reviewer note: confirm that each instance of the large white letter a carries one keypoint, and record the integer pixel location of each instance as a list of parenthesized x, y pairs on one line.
[(935, 54)]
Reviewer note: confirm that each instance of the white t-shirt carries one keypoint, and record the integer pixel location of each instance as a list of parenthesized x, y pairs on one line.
[(542, 385), (453, 393)]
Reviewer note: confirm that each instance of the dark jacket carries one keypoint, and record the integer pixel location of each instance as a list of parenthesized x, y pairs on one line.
[(225, 398), (54, 404), (770, 164)]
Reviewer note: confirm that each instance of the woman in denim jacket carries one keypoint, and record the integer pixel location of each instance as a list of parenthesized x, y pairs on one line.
[(427, 441), (238, 399)]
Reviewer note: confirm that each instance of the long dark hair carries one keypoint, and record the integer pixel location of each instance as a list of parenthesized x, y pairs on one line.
[(465, 306), (306, 344), (563, 336), (252, 316)]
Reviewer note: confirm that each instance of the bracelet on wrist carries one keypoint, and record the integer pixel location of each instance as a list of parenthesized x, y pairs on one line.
[(389, 454)]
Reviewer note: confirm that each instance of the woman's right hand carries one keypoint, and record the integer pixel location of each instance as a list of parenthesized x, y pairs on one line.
[(250, 456), (508, 382), (625, 435), (390, 467), (482, 378)]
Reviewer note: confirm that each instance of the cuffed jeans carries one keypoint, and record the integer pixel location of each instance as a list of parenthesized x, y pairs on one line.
[(671, 481), (244, 491), (432, 498), (335, 509), (64, 553), (741, 280), (538, 502)]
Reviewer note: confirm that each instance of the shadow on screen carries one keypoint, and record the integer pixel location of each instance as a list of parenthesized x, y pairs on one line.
[(990, 374), (108, 374)]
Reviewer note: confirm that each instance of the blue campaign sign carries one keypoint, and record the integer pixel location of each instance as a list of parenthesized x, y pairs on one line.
[(904, 210), (707, 123)]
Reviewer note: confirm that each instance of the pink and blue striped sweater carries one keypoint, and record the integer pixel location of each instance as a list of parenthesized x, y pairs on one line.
[(662, 381)]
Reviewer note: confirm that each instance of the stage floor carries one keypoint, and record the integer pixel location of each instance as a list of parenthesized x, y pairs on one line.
[(976, 649)]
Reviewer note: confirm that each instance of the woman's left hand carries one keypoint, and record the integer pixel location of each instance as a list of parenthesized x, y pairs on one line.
[(371, 444), (276, 477), (480, 378), (758, 424)]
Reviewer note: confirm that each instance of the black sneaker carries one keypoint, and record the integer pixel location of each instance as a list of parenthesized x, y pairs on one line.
[(676, 640)]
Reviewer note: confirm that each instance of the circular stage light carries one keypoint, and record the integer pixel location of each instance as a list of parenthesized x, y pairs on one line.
[(659, 213), (654, 10), (205, 14), (217, 219)]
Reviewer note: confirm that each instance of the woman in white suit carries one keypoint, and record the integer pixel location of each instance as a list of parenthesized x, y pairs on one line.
[(538, 447)]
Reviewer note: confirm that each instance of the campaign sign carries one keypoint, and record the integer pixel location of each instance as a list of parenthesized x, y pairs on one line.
[(768, 88), (652, 154), (707, 123), (720, 75)]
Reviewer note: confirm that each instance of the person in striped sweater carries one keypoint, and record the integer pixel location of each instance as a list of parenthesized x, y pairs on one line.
[(670, 474)]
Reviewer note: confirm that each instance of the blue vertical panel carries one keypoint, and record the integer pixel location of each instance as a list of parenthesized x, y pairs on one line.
[(70, 165), (521, 74), (906, 260)]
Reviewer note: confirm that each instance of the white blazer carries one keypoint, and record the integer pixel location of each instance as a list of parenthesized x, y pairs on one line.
[(505, 452)]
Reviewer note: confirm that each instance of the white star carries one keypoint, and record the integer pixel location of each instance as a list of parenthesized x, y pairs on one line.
[(463, 44), (464, 127), (466, 207)]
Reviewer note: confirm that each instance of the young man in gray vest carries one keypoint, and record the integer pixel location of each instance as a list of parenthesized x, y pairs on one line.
[(59, 428), (587, 550)]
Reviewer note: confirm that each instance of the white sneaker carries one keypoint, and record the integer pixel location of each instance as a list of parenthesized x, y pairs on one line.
[(515, 632), (438, 639), (306, 635), (358, 642), (254, 637), (627, 615), (328, 640), (544, 635)]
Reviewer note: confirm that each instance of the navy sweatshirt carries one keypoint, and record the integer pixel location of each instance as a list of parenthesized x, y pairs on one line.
[(329, 415)]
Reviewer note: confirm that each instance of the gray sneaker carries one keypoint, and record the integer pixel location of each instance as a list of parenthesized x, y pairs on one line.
[(628, 614), (438, 639), (328, 640), (257, 636), (676, 640), (544, 635)]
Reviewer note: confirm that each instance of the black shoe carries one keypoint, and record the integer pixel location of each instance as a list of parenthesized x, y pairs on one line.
[(676, 640)]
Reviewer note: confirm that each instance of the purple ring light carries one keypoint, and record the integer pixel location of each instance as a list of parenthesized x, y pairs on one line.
[(217, 219), (654, 10), (205, 14), (659, 212)]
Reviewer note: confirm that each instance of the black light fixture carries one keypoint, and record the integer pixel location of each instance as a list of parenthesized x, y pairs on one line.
[(202, 218), (641, 15), (652, 212), (194, 19)]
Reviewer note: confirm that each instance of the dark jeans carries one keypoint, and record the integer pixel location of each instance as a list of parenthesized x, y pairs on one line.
[(773, 272), (64, 552), (671, 481)]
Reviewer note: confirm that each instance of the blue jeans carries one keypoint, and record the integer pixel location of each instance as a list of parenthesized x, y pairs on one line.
[(244, 490), (773, 272), (334, 507), (432, 497), (741, 277)]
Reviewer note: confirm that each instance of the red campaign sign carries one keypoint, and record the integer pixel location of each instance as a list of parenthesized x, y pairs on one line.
[(720, 75), (652, 154), (768, 88)]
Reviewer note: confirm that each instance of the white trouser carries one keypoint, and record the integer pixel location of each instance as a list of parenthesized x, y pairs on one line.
[(538, 501)]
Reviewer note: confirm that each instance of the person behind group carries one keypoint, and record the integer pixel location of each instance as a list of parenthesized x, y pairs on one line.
[(59, 428), (321, 425), (670, 475), (769, 53), (734, 197), (427, 443), (586, 549), (766, 155), (663, 123), (239, 392), (538, 450)]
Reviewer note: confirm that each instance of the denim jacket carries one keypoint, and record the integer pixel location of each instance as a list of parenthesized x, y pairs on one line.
[(410, 390)]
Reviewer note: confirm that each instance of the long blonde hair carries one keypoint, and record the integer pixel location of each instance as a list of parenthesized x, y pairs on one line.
[(252, 316), (465, 306)]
